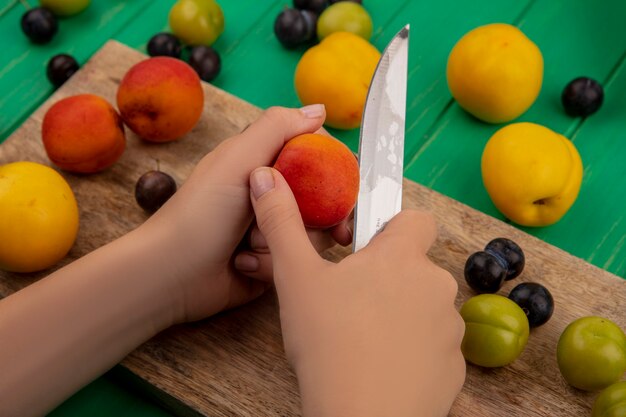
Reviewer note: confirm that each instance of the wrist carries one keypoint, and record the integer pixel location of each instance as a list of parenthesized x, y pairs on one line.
[(347, 386), (160, 274)]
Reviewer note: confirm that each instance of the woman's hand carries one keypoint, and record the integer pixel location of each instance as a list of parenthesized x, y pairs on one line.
[(202, 226), (374, 335)]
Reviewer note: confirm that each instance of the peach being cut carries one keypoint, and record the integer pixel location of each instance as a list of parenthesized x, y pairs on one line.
[(83, 134), (160, 99), (323, 175)]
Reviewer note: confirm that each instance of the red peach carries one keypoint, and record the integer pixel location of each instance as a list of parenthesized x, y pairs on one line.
[(160, 99), (323, 175), (83, 134)]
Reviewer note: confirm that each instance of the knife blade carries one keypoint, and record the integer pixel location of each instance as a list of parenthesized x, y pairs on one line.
[(381, 143)]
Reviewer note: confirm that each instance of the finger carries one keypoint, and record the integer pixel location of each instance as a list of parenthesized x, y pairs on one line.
[(261, 142), (255, 265), (245, 289), (409, 232), (321, 239), (279, 220), (342, 233)]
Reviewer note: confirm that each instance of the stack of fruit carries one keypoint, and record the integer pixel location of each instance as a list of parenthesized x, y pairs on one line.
[(160, 99), (337, 71), (591, 352), (198, 24)]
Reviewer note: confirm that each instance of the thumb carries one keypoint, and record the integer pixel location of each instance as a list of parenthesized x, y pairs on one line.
[(279, 220)]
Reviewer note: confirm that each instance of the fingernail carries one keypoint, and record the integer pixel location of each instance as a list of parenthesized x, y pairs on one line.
[(257, 240), (261, 181), (313, 111), (246, 263)]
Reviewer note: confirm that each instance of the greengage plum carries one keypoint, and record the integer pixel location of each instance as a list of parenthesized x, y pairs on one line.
[(496, 330)]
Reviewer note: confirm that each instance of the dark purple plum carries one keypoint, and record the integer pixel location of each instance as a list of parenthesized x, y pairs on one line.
[(60, 68), (484, 272), (295, 27), (39, 24), (316, 6), (582, 97), (535, 300), (512, 254), (205, 61), (164, 44), (153, 189)]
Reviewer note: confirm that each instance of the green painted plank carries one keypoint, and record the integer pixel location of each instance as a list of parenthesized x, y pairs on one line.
[(23, 83), (601, 141), (574, 40), (434, 30), (105, 397)]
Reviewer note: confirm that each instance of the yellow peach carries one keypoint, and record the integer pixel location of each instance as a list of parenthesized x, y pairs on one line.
[(337, 72)]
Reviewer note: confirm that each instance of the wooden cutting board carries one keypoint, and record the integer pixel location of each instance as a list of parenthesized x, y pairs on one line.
[(233, 364)]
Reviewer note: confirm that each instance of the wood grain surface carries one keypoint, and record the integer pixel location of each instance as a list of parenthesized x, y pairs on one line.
[(233, 364)]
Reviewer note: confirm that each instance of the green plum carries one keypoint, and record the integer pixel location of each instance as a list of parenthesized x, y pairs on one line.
[(65, 7), (592, 353), (345, 16), (197, 22), (496, 330), (611, 402)]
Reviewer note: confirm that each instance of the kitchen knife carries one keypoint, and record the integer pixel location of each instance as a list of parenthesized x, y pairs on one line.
[(381, 143)]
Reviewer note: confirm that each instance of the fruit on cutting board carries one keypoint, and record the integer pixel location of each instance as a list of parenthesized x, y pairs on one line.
[(611, 402), (83, 133), (337, 72), (532, 174), (591, 353), (160, 99), (535, 300), (502, 260), (345, 16), (496, 330), (582, 97), (495, 72), (323, 175), (153, 189), (197, 22), (60, 68), (38, 217), (65, 7), (39, 24)]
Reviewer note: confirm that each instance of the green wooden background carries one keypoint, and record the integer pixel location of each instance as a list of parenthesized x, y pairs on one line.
[(443, 144)]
